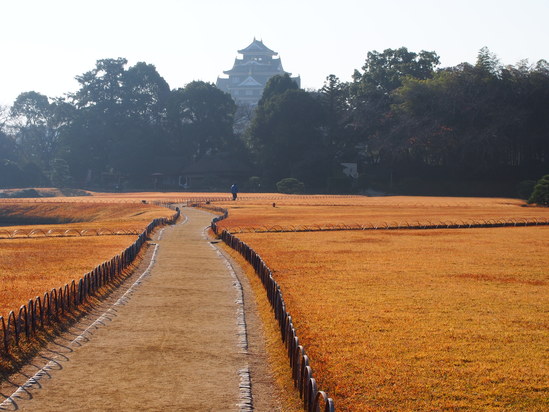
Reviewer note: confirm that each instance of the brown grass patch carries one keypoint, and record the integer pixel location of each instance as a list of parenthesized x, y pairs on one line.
[(32, 266), (395, 321), (29, 268), (80, 215), (30, 347), (396, 210)]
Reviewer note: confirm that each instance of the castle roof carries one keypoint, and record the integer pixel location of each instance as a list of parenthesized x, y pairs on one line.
[(257, 47), (246, 66), (250, 73), (250, 82)]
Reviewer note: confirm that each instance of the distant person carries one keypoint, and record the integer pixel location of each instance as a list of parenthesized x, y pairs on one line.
[(234, 190)]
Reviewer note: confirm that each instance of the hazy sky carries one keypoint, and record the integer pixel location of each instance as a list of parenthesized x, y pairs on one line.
[(46, 43)]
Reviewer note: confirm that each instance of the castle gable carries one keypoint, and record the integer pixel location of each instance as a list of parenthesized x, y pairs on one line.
[(249, 74)]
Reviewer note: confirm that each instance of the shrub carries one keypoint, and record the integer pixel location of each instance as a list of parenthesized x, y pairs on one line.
[(540, 195), (290, 186)]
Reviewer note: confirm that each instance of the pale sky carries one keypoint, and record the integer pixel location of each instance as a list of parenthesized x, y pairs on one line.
[(46, 43)]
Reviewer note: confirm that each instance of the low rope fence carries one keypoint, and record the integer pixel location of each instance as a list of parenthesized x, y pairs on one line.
[(314, 400), (74, 232), (462, 224), (223, 213), (43, 311), (381, 202)]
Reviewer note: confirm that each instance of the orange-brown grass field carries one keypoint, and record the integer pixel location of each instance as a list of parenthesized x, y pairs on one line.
[(420, 320), (393, 320), (414, 319), (350, 210), (29, 268), (56, 195), (32, 266), (78, 215)]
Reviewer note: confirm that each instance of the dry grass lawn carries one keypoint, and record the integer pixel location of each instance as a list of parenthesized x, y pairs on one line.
[(355, 210), (420, 320), (393, 320), (31, 266), (78, 215)]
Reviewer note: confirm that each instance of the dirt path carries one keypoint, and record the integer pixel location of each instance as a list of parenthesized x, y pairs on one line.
[(177, 343)]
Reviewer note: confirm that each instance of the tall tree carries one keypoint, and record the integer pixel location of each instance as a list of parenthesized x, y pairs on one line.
[(200, 117), (371, 97), (118, 125), (488, 62), (476, 122), (7, 142), (286, 138), (385, 71), (146, 93), (277, 85), (102, 87), (100, 120), (334, 97), (36, 131), (7, 147)]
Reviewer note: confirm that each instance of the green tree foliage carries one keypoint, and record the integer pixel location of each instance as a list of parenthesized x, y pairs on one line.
[(384, 72), (476, 121), (286, 137), (60, 173), (8, 147), (93, 139), (400, 119), (14, 176), (116, 129), (371, 97), (11, 175), (540, 195), (15, 168), (461, 124), (146, 93), (277, 85), (126, 118), (334, 97), (33, 118), (200, 119), (102, 87), (488, 63)]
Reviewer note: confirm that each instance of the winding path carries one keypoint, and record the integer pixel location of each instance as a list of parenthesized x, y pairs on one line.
[(176, 343)]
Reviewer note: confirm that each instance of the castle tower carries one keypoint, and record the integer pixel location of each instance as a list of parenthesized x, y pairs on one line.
[(249, 75)]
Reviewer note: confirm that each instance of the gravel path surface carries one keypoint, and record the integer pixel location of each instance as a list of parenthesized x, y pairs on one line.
[(176, 341)]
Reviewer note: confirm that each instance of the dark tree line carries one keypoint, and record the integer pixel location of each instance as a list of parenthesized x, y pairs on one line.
[(113, 128), (410, 126)]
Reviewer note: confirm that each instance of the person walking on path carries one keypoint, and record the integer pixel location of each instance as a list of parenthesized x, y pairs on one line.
[(234, 191)]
